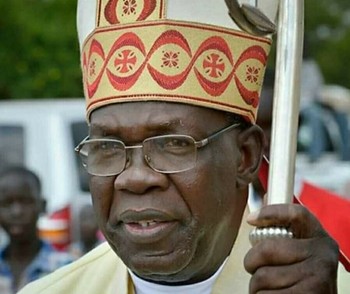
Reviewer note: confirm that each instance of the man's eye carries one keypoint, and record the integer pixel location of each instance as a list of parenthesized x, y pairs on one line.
[(104, 145), (5, 204), (104, 148), (176, 143), (176, 146), (108, 146)]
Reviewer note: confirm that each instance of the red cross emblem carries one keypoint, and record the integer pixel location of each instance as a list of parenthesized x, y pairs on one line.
[(125, 61), (214, 65)]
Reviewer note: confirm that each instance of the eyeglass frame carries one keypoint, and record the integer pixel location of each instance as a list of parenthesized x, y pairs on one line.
[(198, 144)]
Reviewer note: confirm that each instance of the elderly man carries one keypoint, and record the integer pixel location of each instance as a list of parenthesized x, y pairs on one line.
[(171, 151)]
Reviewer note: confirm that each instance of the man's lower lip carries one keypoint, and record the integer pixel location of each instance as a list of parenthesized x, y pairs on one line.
[(16, 229), (148, 234)]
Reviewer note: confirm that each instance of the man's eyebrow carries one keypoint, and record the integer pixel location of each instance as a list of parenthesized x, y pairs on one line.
[(105, 126), (100, 126), (169, 124)]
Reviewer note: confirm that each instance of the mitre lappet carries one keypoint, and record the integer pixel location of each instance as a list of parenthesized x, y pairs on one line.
[(182, 51)]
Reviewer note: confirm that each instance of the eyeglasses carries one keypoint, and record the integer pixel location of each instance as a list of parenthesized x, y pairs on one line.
[(165, 154)]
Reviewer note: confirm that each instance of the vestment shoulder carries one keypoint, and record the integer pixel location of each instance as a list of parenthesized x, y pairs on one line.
[(94, 271)]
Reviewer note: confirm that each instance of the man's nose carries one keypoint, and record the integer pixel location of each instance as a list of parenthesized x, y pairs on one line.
[(16, 209), (138, 177)]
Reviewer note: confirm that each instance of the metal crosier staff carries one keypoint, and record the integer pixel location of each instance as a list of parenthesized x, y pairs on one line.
[(290, 34)]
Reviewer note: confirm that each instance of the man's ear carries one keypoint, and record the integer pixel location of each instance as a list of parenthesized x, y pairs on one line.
[(250, 143)]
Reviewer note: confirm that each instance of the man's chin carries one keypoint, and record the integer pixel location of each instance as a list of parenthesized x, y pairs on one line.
[(163, 269)]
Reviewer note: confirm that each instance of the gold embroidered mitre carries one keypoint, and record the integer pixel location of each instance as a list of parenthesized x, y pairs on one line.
[(185, 51)]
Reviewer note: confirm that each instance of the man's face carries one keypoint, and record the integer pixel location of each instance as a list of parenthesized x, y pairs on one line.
[(20, 206), (170, 228)]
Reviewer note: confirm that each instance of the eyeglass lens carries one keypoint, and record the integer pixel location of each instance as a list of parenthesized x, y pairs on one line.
[(166, 154)]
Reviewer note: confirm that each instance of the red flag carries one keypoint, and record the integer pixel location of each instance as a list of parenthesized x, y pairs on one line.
[(334, 214), (331, 210)]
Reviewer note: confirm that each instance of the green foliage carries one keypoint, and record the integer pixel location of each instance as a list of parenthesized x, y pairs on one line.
[(327, 32), (39, 54)]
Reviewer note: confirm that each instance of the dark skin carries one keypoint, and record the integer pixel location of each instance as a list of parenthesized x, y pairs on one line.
[(264, 121), (306, 264), (195, 209), (20, 206), (88, 227), (189, 251)]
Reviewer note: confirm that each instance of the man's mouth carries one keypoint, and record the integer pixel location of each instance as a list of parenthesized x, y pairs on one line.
[(147, 226), (16, 229)]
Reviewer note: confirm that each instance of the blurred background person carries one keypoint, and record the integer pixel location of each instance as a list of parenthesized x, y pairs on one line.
[(25, 257), (88, 231), (335, 103), (324, 123)]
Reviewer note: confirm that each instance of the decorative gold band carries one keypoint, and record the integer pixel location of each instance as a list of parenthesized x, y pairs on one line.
[(116, 12), (174, 61)]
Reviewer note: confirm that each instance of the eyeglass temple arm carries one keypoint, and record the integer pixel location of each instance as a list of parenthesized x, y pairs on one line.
[(206, 141), (78, 147)]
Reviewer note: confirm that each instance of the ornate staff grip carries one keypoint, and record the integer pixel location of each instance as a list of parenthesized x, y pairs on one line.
[(259, 234)]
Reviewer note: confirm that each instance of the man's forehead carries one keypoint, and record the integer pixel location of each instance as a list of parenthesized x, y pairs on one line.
[(12, 187), (154, 114)]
